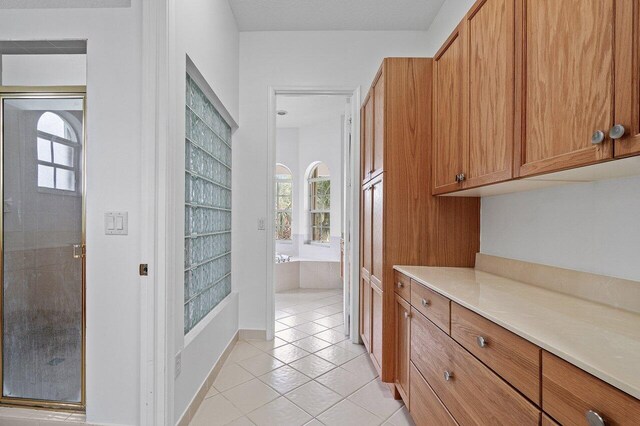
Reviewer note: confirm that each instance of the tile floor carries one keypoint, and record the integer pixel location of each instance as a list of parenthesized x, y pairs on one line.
[(308, 375)]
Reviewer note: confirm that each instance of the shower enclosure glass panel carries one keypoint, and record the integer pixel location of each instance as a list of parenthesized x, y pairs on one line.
[(42, 249)]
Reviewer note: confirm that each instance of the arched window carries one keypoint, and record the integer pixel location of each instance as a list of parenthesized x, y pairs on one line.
[(57, 150), (320, 203), (284, 202)]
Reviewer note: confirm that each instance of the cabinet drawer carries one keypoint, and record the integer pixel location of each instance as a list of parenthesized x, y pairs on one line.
[(402, 285), (471, 392), (425, 407), (509, 355), (431, 304), (568, 393)]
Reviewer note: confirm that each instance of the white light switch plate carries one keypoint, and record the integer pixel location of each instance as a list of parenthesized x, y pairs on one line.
[(116, 223)]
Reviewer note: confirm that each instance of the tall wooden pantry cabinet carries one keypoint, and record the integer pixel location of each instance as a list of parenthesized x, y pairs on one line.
[(401, 222)]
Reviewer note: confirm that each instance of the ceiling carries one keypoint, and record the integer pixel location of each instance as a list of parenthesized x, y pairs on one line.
[(307, 110), (328, 15)]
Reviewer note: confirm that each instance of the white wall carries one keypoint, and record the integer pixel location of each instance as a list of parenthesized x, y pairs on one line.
[(44, 70), (113, 183), (207, 33), (448, 17), (329, 58), (590, 227)]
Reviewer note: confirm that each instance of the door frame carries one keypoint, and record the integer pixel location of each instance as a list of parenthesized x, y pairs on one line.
[(352, 192), (48, 92)]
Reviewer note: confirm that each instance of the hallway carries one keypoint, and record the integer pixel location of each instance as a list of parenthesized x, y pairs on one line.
[(309, 374)]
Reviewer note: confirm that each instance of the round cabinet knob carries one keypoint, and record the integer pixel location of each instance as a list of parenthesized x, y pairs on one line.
[(481, 341), (448, 375), (617, 131), (407, 315), (597, 137), (400, 285), (425, 302), (594, 419)]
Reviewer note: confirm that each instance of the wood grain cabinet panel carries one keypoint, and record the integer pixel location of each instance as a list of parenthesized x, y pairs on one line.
[(377, 234), (379, 127), (425, 408), (512, 357), (367, 138), (627, 77), (567, 76), (402, 285), (490, 36), (471, 392), (568, 393), (365, 312), (402, 347), (548, 421), (449, 120), (366, 224), (433, 305), (376, 325)]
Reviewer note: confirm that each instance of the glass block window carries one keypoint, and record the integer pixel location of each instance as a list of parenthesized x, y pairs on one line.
[(284, 202), (207, 241), (320, 203)]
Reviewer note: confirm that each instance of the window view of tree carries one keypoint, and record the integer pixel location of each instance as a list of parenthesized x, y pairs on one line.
[(284, 202), (320, 203)]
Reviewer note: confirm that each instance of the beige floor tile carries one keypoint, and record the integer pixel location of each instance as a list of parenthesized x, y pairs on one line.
[(313, 422), (310, 316), (376, 398), (346, 413), (288, 353), (311, 328), (312, 344), (215, 411), (312, 366), (242, 350), (336, 355), (261, 364), (284, 379), (401, 418), (231, 375), (363, 366), (280, 412), (331, 336), (328, 322), (294, 320), (212, 392), (339, 328), (313, 398), (352, 347), (267, 345), (342, 381), (291, 335), (280, 327), (250, 395), (281, 314), (242, 421)]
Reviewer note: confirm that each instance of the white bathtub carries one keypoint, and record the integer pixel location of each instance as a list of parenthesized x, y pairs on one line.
[(307, 273)]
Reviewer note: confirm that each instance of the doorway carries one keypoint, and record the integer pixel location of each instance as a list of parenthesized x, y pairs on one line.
[(42, 296), (315, 156)]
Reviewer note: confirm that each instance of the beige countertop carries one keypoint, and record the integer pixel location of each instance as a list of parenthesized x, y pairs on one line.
[(601, 340)]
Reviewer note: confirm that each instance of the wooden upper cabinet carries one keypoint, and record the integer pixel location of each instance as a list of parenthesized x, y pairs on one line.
[(627, 77), (377, 212), (378, 127), (449, 130), (367, 129), (366, 230), (567, 72), (490, 33)]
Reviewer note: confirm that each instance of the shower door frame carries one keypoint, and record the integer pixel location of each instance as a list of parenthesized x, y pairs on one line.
[(46, 92)]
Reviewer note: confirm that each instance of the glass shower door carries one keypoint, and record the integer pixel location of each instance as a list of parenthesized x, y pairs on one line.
[(42, 249)]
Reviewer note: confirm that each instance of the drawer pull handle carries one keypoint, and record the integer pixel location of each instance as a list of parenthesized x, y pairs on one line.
[(407, 315), (425, 303), (594, 419), (400, 285), (448, 375), (481, 341)]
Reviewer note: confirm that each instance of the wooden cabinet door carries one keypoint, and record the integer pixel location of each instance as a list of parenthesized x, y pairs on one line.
[(402, 347), (367, 138), (376, 325), (627, 78), (378, 127), (365, 246), (365, 312), (567, 62), (377, 226), (449, 128), (490, 34)]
